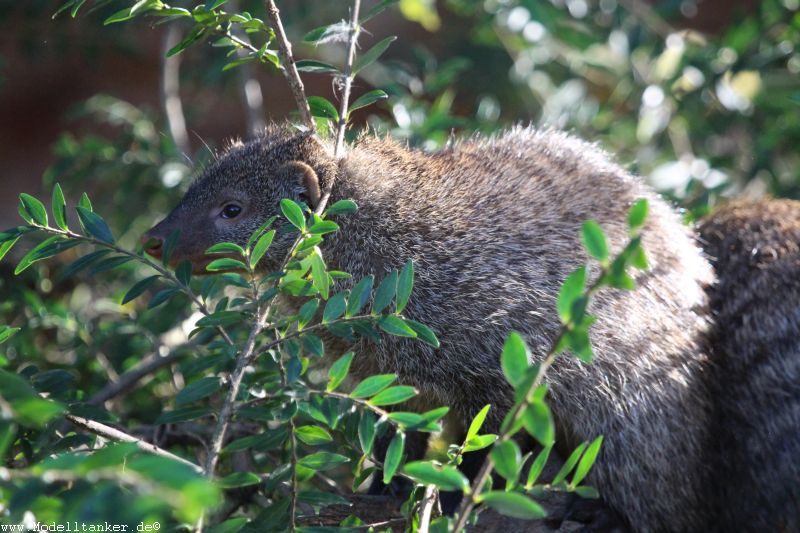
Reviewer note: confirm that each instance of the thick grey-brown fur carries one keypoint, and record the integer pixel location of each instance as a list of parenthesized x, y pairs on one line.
[(755, 248), (493, 228)]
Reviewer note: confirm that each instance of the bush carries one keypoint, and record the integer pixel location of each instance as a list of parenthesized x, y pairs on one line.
[(138, 394)]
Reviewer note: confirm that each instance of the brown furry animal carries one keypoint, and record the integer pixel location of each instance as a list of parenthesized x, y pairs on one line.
[(493, 228), (755, 248)]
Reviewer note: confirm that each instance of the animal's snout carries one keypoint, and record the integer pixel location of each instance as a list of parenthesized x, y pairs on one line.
[(152, 244)]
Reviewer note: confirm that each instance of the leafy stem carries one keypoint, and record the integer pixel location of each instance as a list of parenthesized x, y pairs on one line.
[(469, 502), (164, 272)]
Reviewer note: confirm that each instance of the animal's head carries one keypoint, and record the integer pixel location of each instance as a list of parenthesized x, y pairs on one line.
[(239, 191)]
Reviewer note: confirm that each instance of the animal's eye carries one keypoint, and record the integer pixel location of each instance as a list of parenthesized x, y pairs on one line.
[(231, 211)]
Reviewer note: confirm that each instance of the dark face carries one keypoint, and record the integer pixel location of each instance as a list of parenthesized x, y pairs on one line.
[(234, 196)]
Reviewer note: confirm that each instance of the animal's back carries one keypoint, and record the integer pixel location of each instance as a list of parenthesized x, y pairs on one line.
[(755, 248), (493, 227)]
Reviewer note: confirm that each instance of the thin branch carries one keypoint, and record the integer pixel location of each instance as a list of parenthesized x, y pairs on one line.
[(426, 508), (347, 80), (129, 379), (468, 503), (248, 352), (315, 327), (170, 91), (142, 259), (289, 68), (120, 436)]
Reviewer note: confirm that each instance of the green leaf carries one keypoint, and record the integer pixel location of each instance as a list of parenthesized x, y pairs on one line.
[(8, 432), (313, 345), (313, 435), (424, 333), (261, 247), (373, 385), (480, 442), (6, 332), (221, 318), (169, 246), (339, 370), (477, 422), (110, 263), (293, 213), (514, 359), (637, 214), (319, 275), (34, 208), (315, 67), (594, 240), (393, 395), (588, 459), (226, 248), (538, 466), (394, 325), (638, 259), (322, 461), (139, 288), (182, 415), (318, 498), (59, 206), (47, 248), (366, 431), (81, 263), (507, 460), (184, 272), (513, 504), (324, 226), (321, 107), (162, 296), (197, 390), (268, 440), (85, 203), (28, 408), (195, 34), (372, 54), (569, 464), (239, 479), (410, 421), (590, 493), (359, 296), (95, 225), (6, 246), (394, 455), (538, 422), (571, 290), (367, 99), (445, 477), (307, 313), (334, 308), (225, 263), (12, 234), (405, 283), (257, 233), (385, 293), (578, 342), (342, 207)]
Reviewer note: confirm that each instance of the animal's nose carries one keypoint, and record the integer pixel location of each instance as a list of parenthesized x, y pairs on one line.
[(152, 245)]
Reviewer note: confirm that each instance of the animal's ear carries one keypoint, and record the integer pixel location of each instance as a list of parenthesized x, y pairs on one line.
[(305, 176)]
